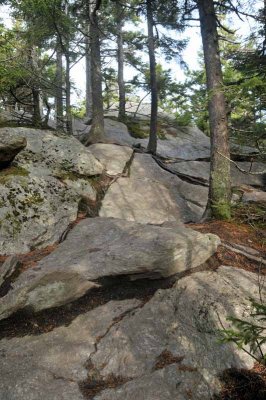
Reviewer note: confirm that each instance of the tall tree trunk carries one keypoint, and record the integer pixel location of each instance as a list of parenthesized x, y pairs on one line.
[(59, 89), (97, 128), (36, 109), (120, 60), (36, 117), (88, 65), (69, 125), (219, 204), (152, 145)]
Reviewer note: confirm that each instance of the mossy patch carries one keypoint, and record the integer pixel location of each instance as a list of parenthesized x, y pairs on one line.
[(7, 173)]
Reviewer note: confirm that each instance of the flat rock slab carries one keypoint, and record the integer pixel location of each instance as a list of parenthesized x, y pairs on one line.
[(50, 366), (187, 143), (170, 348), (105, 248), (167, 349), (114, 158), (152, 195), (201, 169), (144, 166), (141, 200), (11, 143)]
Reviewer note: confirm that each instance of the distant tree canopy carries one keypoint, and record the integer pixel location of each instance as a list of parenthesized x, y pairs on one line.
[(224, 96)]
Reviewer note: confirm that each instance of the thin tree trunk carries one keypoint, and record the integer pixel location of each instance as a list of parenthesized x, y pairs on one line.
[(59, 89), (120, 60), (219, 204), (69, 127), (36, 117), (152, 145), (88, 66), (97, 128), (36, 110)]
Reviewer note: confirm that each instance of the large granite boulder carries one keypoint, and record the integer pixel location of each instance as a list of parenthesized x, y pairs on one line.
[(58, 152), (106, 248), (170, 348), (11, 143), (145, 167), (152, 195), (113, 158), (36, 209), (41, 191), (115, 132)]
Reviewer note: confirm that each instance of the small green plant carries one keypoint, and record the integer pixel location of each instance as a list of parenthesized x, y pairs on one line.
[(250, 336)]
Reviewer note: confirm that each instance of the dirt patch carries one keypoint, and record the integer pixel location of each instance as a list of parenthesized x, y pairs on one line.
[(235, 233), (167, 358), (243, 384), (94, 384), (240, 234)]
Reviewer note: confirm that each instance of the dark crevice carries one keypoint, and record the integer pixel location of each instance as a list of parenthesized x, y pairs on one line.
[(25, 322), (184, 177)]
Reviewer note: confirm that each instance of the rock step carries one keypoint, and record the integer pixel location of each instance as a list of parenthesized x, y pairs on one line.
[(102, 248)]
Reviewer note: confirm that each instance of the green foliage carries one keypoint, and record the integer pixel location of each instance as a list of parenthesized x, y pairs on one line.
[(249, 336)]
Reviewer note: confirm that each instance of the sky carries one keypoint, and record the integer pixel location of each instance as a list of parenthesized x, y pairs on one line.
[(190, 54)]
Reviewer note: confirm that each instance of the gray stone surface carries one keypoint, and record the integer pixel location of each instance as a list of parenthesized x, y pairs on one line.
[(11, 143), (100, 248), (50, 366), (35, 210), (142, 200), (184, 321), (200, 169), (188, 144), (83, 187), (58, 153), (144, 166), (115, 132), (153, 195), (40, 192), (113, 158), (254, 196)]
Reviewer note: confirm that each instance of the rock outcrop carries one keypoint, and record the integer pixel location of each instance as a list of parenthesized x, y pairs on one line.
[(41, 191), (165, 349), (99, 248)]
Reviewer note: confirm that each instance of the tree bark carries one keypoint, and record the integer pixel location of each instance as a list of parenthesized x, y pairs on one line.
[(120, 61), (69, 125), (152, 145), (219, 204), (36, 109), (59, 89), (97, 128), (88, 66)]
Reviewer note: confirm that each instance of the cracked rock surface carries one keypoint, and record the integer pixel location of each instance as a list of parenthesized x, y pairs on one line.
[(51, 365), (165, 349), (106, 248)]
